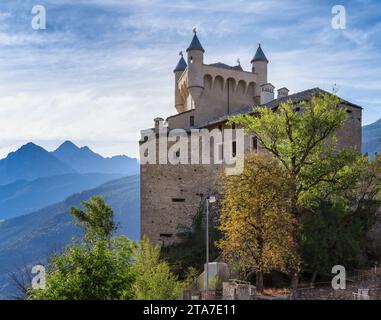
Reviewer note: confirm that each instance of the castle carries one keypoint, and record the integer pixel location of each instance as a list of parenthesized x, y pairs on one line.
[(205, 95)]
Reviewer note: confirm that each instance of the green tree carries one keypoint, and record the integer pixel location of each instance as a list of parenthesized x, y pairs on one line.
[(304, 143), (97, 272), (105, 267), (335, 232), (190, 251), (255, 219), (154, 279), (99, 267), (96, 219), (330, 236)]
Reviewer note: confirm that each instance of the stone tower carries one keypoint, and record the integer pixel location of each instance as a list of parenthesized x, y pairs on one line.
[(178, 71), (195, 53), (259, 66)]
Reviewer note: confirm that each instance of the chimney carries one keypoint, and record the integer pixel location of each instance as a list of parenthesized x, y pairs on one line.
[(267, 93), (159, 122), (283, 92)]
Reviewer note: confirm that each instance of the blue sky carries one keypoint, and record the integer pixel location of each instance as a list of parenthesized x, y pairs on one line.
[(102, 70)]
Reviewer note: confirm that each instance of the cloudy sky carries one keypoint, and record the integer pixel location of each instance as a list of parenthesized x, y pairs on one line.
[(102, 70)]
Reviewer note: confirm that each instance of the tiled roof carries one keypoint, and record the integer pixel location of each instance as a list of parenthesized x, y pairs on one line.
[(304, 95), (295, 98), (180, 114), (225, 66)]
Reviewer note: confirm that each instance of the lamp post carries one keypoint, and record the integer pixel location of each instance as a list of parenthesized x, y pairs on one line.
[(210, 199)]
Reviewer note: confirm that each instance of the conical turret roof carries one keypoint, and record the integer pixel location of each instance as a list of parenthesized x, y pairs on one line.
[(259, 55), (195, 44), (181, 65)]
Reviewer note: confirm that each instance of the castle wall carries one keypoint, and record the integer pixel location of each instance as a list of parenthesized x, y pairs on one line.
[(181, 120), (349, 136), (171, 194)]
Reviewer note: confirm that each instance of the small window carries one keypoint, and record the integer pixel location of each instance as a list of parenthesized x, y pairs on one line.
[(178, 153), (255, 144), (178, 200), (191, 59), (349, 111), (234, 148), (191, 121), (166, 235)]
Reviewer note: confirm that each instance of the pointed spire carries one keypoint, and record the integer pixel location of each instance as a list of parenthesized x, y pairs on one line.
[(259, 55), (181, 65), (195, 44)]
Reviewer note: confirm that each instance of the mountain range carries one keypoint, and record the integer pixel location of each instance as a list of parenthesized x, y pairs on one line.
[(31, 162), (37, 190), (30, 239), (23, 196), (32, 178), (371, 138), (83, 160)]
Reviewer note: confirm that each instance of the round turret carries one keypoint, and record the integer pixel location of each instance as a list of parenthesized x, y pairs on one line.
[(195, 54), (259, 66), (178, 71)]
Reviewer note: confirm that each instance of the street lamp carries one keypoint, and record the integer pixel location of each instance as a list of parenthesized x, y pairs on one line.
[(210, 199)]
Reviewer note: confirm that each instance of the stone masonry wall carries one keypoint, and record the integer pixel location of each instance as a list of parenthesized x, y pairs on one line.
[(171, 194)]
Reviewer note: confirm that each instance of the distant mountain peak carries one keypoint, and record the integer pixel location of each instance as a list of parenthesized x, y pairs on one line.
[(371, 138), (84, 160), (30, 162), (67, 145), (86, 149), (30, 146), (24, 150)]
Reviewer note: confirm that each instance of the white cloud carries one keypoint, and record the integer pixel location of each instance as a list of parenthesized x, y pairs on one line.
[(80, 116)]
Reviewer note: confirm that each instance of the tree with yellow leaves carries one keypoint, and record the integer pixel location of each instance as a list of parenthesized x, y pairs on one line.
[(256, 219)]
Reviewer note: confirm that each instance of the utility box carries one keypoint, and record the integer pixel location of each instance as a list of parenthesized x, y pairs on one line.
[(218, 273)]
